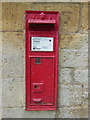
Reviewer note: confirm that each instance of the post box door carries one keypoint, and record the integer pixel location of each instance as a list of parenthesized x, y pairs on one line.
[(42, 84)]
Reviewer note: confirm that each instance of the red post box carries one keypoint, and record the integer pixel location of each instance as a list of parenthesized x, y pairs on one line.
[(41, 60)]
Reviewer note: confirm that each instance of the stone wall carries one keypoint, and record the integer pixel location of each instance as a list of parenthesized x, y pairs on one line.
[(73, 60), (0, 61)]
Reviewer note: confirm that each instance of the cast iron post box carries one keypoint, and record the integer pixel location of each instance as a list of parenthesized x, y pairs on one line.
[(41, 60)]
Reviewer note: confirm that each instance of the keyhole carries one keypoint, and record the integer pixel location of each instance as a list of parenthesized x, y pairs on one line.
[(36, 86)]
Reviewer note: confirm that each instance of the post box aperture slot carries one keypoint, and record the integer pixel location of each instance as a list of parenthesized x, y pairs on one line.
[(41, 27)]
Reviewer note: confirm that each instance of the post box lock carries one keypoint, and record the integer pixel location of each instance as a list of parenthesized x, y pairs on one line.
[(41, 60), (38, 87)]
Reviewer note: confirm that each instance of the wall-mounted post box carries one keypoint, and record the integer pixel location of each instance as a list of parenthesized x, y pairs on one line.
[(41, 60)]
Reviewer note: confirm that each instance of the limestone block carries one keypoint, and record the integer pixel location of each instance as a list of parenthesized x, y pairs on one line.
[(13, 92), (12, 67), (0, 49), (0, 114), (70, 95), (0, 16), (85, 98), (0, 100), (0, 74), (85, 92), (13, 71), (0, 86), (21, 113), (75, 41), (13, 54), (13, 39), (0, 94), (73, 112), (73, 58), (13, 19), (13, 63), (84, 19), (65, 76), (81, 76), (0, 59)]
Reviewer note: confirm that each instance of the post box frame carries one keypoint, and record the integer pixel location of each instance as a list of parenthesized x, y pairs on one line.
[(27, 74)]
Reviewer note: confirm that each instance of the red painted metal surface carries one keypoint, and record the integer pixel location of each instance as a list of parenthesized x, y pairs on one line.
[(41, 66)]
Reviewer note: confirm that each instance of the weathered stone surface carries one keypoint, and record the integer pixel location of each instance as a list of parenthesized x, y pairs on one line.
[(13, 63), (74, 41), (13, 54), (73, 58), (21, 113), (0, 89), (0, 74), (0, 96), (0, 41), (73, 87), (70, 95), (13, 39), (46, 1), (73, 112), (81, 76), (15, 13), (13, 71), (13, 92), (73, 75), (0, 114), (84, 19), (0, 16), (13, 19), (0, 49), (65, 76)]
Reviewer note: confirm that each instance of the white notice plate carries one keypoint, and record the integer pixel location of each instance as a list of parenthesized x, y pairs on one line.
[(41, 43)]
